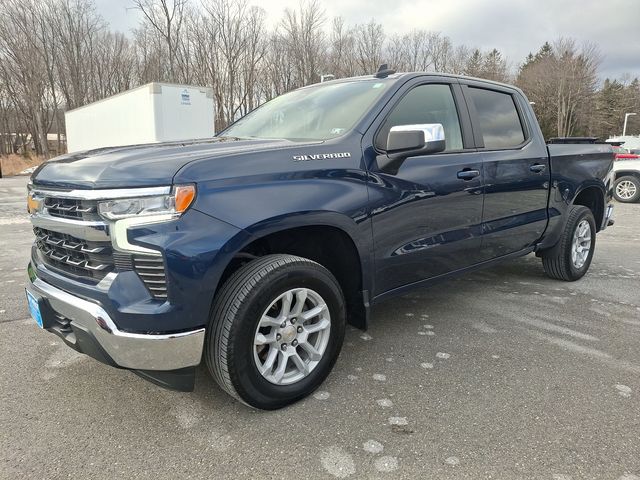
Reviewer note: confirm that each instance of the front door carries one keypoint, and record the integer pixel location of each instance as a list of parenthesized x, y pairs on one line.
[(426, 219)]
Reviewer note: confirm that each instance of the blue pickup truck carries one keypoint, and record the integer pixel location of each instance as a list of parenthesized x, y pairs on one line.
[(253, 249)]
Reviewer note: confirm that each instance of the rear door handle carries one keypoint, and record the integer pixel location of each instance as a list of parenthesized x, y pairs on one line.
[(538, 168), (468, 174)]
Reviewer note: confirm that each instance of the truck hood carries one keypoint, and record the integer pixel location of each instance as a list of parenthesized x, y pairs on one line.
[(142, 165)]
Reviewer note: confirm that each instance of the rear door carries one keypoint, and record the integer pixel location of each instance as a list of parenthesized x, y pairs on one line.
[(515, 169), (426, 217)]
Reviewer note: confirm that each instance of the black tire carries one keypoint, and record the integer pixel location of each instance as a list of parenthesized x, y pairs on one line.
[(557, 261), (635, 181), (236, 311)]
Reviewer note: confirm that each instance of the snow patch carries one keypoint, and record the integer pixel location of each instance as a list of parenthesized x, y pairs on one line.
[(623, 390), (398, 421), (321, 395), (372, 446), (386, 464), (385, 403), (337, 462)]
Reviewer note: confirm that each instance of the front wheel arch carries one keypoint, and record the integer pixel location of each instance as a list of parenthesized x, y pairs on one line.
[(334, 247)]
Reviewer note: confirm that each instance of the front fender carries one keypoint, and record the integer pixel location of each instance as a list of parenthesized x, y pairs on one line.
[(268, 203), (225, 218)]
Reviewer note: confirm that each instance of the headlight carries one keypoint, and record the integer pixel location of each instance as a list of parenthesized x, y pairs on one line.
[(173, 204)]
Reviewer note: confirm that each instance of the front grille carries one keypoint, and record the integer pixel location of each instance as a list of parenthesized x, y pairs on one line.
[(74, 255), (89, 259), (72, 208), (96, 259)]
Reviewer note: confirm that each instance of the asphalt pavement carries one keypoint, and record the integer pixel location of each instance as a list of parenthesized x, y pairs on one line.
[(499, 374)]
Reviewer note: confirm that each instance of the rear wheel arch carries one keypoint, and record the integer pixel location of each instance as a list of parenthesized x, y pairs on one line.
[(592, 197)]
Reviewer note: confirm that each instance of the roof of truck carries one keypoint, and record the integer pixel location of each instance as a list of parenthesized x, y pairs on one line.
[(408, 75)]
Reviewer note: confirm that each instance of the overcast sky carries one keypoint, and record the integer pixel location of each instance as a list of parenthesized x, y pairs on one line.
[(515, 27)]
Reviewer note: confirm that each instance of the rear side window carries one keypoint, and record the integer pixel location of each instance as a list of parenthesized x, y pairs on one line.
[(432, 103), (499, 120)]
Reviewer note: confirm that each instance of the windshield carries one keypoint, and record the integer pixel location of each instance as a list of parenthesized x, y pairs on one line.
[(316, 113)]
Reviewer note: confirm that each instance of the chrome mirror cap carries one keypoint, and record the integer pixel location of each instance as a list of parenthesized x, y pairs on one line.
[(433, 132), (406, 141)]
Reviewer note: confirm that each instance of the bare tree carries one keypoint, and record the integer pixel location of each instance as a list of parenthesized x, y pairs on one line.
[(370, 43), (562, 81), (302, 31), (341, 58), (77, 27), (24, 69), (166, 17), (575, 81)]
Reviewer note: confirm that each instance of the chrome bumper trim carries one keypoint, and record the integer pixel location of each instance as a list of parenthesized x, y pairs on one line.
[(129, 350)]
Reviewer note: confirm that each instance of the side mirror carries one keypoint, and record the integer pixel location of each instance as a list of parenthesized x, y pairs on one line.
[(406, 141)]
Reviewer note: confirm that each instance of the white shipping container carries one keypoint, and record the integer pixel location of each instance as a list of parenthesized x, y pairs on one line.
[(156, 112)]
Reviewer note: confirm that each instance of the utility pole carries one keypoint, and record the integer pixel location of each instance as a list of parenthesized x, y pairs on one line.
[(626, 117)]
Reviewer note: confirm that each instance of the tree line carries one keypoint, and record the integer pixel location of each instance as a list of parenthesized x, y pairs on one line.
[(57, 55)]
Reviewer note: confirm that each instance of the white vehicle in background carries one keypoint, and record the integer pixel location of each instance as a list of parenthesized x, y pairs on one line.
[(626, 187)]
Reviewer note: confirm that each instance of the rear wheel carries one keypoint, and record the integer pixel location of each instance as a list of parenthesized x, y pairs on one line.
[(627, 189), (276, 330), (570, 259)]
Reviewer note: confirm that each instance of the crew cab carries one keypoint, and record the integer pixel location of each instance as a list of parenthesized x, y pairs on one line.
[(252, 250)]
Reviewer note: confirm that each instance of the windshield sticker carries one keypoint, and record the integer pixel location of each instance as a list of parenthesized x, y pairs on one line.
[(320, 156), (378, 85)]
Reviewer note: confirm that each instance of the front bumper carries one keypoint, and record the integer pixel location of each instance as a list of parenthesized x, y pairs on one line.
[(86, 327)]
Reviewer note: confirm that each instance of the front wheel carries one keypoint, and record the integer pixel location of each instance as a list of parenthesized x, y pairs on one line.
[(627, 189), (276, 330), (569, 260)]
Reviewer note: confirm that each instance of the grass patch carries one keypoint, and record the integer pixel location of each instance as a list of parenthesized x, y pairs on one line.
[(14, 164)]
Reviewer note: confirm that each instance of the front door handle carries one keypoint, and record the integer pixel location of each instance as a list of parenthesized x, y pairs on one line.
[(537, 168), (468, 174)]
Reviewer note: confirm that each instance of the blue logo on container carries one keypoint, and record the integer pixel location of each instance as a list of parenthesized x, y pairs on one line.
[(185, 99)]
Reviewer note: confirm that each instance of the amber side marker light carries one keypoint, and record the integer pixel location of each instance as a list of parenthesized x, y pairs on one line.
[(32, 204), (184, 195)]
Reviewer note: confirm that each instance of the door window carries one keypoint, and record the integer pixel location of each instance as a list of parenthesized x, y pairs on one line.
[(432, 103), (498, 118)]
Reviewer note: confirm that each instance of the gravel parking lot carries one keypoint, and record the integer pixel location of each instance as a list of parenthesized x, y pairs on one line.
[(499, 374)]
